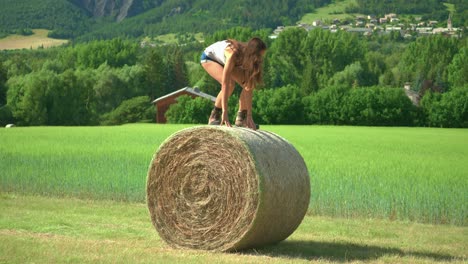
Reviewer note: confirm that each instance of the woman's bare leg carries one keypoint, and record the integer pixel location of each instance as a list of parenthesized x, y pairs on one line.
[(216, 71)]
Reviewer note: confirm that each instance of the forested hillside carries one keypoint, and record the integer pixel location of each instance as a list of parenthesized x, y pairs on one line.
[(108, 18), (66, 19), (86, 20), (208, 16), (116, 9)]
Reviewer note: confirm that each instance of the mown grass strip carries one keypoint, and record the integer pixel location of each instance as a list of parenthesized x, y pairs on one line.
[(56, 230)]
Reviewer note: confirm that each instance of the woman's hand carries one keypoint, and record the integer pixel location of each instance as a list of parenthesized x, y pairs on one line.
[(225, 119)]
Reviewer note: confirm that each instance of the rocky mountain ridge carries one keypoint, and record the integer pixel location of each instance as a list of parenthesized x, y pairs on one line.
[(117, 9)]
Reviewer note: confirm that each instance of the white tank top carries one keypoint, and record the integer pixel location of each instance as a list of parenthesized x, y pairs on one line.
[(216, 51)]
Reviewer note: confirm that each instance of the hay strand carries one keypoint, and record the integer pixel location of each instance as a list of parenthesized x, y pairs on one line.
[(224, 189)]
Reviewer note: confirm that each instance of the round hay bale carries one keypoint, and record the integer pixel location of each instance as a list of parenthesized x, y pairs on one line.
[(225, 189), (10, 126)]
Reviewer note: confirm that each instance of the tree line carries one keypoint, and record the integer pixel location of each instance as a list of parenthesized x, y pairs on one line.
[(84, 84), (315, 77), (320, 77)]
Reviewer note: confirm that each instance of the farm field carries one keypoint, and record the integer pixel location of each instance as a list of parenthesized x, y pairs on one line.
[(66, 230), (38, 39), (329, 12), (407, 174), (172, 38)]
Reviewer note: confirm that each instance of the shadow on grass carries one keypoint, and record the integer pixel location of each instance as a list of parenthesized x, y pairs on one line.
[(311, 250)]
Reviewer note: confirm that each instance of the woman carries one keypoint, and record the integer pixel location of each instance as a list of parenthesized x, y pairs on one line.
[(230, 61)]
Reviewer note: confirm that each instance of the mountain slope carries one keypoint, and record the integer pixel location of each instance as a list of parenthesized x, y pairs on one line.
[(66, 18), (176, 16), (116, 9), (85, 20), (98, 19)]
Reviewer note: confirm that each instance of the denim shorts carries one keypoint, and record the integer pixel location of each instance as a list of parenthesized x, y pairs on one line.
[(204, 58)]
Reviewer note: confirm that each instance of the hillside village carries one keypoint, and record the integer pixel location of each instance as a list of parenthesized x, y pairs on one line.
[(368, 26), (371, 24)]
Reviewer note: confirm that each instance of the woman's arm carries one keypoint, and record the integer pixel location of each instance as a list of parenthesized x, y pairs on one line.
[(227, 84)]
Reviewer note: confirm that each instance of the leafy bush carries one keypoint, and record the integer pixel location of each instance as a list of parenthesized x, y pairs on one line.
[(6, 117), (458, 68), (370, 106), (446, 110), (189, 111), (130, 111), (279, 106), (325, 106), (24, 32), (377, 106), (47, 98)]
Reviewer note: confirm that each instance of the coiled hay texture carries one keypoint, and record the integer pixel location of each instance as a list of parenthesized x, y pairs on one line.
[(225, 189)]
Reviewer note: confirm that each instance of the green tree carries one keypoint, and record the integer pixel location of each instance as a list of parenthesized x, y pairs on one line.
[(455, 105), (67, 100), (446, 110), (377, 106), (430, 103), (458, 68), (130, 111), (175, 61), (351, 76), (115, 52), (375, 67), (279, 106), (154, 69), (325, 106), (188, 110), (110, 90), (426, 61), (48, 98), (86, 79), (6, 116), (309, 79), (16, 65), (3, 88), (285, 58), (27, 98), (330, 53)]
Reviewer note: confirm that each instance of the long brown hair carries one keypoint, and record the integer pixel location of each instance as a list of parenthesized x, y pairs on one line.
[(249, 59)]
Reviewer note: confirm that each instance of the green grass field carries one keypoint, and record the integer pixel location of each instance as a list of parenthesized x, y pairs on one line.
[(66, 230), (172, 38), (38, 39), (329, 12), (450, 7), (415, 174)]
